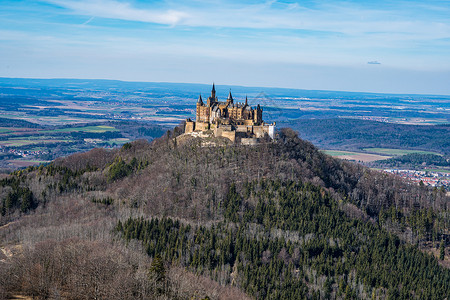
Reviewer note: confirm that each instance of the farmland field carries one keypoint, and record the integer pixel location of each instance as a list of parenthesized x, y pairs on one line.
[(24, 142), (44, 119), (356, 156), (96, 129), (5, 130), (25, 163), (397, 152), (338, 152)]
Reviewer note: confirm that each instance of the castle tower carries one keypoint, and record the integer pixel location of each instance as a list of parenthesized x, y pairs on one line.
[(238, 121), (230, 98), (199, 104), (211, 100), (258, 115)]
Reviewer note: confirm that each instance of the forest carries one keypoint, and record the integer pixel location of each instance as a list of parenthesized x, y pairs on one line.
[(414, 160), (278, 220), (354, 134)]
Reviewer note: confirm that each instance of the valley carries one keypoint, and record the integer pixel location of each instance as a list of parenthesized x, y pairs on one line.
[(44, 119), (104, 196)]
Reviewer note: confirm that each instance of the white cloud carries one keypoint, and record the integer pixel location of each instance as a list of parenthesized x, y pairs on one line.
[(340, 17), (121, 10), (250, 38)]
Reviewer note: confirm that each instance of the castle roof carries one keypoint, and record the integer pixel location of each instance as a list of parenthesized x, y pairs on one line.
[(230, 97)]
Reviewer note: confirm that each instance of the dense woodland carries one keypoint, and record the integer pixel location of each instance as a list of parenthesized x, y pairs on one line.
[(413, 161), (279, 220)]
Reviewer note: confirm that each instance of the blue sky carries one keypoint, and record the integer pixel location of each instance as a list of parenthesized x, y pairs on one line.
[(379, 46)]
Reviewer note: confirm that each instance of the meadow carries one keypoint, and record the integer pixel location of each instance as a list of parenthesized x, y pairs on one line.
[(397, 152), (60, 117)]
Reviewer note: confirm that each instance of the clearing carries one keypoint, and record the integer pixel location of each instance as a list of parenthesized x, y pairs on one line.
[(357, 156), (397, 152)]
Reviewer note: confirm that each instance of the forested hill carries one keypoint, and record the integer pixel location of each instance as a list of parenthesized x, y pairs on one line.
[(341, 133), (275, 221)]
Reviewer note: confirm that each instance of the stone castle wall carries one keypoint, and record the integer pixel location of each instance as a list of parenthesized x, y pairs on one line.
[(190, 127), (237, 122)]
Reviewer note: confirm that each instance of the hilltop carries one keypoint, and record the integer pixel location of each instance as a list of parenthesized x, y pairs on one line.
[(275, 220)]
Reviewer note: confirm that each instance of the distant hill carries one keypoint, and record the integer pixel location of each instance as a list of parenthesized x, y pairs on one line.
[(414, 160), (173, 87), (180, 220), (351, 134)]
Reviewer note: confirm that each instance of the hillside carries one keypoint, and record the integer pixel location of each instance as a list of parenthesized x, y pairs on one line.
[(274, 221), (353, 134), (414, 161)]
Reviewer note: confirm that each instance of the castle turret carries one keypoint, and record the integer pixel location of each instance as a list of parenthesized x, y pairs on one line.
[(238, 121), (230, 98), (258, 115), (211, 100)]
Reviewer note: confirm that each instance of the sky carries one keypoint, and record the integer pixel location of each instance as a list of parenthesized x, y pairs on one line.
[(371, 46)]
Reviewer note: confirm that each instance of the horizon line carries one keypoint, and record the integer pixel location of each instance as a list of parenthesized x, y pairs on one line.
[(228, 85)]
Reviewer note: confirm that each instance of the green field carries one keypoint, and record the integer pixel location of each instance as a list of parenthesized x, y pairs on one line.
[(339, 153), (438, 170), (397, 152), (356, 156), (19, 163), (119, 141), (92, 129), (5, 130), (31, 141)]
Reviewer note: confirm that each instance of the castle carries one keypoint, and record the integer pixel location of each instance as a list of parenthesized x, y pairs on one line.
[(238, 122)]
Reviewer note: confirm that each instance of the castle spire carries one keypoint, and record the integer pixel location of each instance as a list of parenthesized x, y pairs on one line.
[(230, 97), (200, 100), (246, 102), (213, 92)]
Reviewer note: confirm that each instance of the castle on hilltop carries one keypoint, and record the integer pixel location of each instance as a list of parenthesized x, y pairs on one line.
[(236, 121)]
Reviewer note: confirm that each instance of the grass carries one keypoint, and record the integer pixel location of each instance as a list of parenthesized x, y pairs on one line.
[(338, 153), (419, 121), (27, 162), (92, 129), (17, 143), (397, 152), (5, 130), (25, 142), (118, 141), (437, 170), (356, 156)]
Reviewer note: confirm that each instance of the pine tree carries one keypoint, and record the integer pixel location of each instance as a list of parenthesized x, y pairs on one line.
[(442, 250)]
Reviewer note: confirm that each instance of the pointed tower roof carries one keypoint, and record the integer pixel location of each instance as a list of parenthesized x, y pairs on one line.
[(200, 100), (246, 101), (213, 95), (230, 97)]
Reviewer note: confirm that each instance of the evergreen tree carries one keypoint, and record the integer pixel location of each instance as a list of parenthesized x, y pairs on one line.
[(157, 269)]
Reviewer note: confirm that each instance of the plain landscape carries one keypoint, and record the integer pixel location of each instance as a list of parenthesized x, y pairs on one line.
[(46, 119), (222, 150), (108, 199)]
